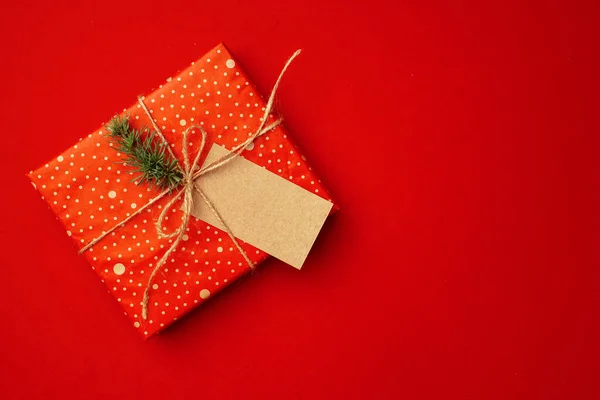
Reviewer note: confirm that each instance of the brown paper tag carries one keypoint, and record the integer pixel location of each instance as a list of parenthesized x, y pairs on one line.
[(262, 208)]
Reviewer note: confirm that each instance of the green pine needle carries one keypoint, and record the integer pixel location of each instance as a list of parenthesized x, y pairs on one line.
[(149, 159)]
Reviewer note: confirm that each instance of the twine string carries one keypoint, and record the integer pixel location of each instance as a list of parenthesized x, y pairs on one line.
[(188, 203), (190, 186)]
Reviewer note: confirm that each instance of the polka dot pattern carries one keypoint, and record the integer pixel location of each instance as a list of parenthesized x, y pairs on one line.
[(90, 191)]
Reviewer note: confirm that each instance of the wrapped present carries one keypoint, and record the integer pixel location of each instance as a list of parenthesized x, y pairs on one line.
[(186, 191)]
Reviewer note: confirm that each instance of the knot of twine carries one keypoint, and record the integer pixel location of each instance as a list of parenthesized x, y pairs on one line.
[(191, 172)]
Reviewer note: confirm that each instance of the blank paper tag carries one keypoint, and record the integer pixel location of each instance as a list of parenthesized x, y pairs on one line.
[(261, 208)]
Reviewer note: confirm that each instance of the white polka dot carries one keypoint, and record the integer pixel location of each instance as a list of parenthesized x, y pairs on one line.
[(182, 122), (112, 194), (230, 63), (35, 187), (60, 158), (133, 205), (119, 269), (204, 293), (69, 233), (136, 324), (220, 249), (185, 237), (155, 286), (250, 146)]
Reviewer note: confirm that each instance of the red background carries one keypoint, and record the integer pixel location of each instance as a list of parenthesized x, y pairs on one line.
[(459, 138)]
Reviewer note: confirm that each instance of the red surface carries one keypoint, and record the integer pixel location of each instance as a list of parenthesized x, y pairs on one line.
[(460, 139)]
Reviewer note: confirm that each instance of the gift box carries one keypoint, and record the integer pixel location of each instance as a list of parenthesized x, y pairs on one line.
[(113, 219)]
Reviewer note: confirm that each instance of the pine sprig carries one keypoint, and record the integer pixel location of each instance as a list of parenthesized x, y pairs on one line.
[(146, 155)]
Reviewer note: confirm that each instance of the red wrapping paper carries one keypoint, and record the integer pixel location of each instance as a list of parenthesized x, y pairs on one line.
[(90, 191)]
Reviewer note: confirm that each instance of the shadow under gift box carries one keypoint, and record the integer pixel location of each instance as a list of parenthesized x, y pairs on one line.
[(90, 190)]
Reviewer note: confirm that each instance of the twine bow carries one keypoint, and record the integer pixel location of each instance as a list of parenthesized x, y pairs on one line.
[(191, 172)]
